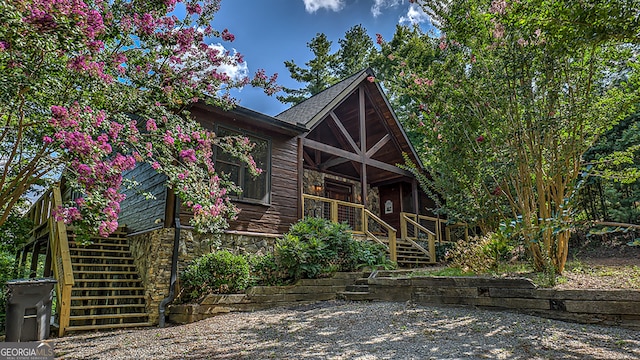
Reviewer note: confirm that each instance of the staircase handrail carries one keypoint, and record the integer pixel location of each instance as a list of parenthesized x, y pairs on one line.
[(430, 236), (61, 263), (393, 246)]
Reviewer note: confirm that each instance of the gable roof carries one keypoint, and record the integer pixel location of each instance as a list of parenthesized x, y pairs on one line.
[(313, 110)]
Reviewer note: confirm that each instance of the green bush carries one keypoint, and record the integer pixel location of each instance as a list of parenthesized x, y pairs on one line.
[(471, 255), (220, 272), (314, 247), (6, 269), (264, 271)]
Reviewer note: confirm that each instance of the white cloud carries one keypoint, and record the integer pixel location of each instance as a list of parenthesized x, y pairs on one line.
[(415, 15), (237, 71), (379, 5), (312, 6)]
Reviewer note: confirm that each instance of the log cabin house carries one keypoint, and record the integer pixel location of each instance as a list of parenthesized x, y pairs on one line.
[(332, 156)]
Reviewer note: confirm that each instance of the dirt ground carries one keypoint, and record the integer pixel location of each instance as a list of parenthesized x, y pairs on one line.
[(603, 262)]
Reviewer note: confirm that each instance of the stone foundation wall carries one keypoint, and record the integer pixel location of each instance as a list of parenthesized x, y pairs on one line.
[(152, 253)]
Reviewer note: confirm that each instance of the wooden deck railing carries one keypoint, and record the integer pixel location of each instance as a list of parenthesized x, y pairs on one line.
[(444, 231), (410, 231), (361, 220), (45, 226)]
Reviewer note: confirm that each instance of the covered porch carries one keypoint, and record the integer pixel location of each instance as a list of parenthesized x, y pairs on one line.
[(348, 169)]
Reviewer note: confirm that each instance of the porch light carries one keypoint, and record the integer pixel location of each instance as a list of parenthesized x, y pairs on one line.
[(316, 187)]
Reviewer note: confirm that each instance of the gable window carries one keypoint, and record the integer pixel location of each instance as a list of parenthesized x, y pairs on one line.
[(254, 189)]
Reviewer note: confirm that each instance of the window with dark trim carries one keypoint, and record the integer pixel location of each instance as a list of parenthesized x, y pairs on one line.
[(254, 189)]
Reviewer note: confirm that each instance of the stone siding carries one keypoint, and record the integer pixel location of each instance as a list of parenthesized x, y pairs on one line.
[(152, 253)]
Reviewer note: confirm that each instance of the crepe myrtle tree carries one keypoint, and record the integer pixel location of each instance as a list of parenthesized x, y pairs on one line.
[(519, 92), (92, 88)]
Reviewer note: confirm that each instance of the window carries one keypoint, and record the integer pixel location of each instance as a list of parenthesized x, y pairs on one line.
[(255, 189)]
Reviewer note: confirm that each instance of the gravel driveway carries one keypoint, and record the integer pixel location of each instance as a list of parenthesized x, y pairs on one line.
[(362, 330)]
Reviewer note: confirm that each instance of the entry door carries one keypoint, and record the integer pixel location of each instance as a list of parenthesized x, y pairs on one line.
[(391, 204)]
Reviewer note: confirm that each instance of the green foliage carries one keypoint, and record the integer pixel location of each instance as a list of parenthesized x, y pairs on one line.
[(612, 193), (356, 53), (14, 232), (473, 255), (220, 272), (265, 271), (7, 262), (510, 98), (315, 246), (448, 271)]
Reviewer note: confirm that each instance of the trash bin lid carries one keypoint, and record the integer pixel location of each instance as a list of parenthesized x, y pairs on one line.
[(37, 281)]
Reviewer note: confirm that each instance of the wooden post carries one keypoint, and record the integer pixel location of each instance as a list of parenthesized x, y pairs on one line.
[(393, 251), (403, 226), (432, 248), (334, 211), (300, 179), (47, 261), (35, 255)]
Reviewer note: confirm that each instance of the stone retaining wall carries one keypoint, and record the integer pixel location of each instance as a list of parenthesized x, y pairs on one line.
[(152, 252), (608, 307), (255, 298)]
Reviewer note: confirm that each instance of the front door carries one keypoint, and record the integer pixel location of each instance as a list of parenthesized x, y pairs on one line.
[(391, 204)]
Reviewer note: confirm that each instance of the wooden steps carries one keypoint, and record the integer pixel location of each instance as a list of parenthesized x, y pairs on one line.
[(408, 255), (108, 326), (108, 292), (359, 291)]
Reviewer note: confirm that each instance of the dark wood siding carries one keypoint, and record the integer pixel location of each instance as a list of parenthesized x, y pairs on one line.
[(137, 212), (277, 216)]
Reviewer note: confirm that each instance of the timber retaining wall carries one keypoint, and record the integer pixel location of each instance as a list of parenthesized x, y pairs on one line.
[(607, 307)]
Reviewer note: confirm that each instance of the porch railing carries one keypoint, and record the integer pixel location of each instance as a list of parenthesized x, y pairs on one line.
[(412, 231), (45, 227), (361, 220)]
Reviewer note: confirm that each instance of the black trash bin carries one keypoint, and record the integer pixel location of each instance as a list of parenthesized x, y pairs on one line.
[(28, 309)]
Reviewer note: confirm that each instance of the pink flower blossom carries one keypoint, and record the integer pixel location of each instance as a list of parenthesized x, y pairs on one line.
[(188, 155), (151, 125), (47, 139), (155, 165), (371, 79), (443, 45), (227, 36)]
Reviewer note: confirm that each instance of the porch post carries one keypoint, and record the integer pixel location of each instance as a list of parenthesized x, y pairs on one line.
[(416, 198), (363, 145), (300, 180)]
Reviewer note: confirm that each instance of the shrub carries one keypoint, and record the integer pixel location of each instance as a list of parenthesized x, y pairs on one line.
[(374, 255), (264, 270), (220, 272), (316, 246), (7, 264), (471, 255)]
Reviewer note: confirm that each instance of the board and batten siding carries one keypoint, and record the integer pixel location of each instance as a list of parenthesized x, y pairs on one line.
[(137, 212)]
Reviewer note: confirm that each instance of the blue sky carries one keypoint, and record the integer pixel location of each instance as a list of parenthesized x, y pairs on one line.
[(269, 32)]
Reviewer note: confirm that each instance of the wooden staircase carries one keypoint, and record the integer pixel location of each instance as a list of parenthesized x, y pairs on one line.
[(409, 256), (108, 293)]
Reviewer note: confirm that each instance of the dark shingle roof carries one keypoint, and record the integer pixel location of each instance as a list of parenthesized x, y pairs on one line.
[(307, 112)]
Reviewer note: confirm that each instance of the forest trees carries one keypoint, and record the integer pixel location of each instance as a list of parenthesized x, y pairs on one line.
[(518, 93), (356, 52), (92, 88)]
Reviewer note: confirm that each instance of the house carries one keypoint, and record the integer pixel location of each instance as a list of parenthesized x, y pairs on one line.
[(332, 156)]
